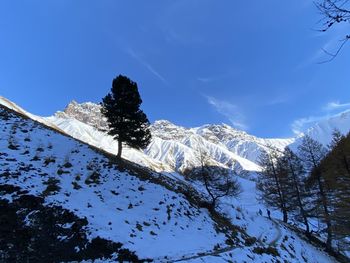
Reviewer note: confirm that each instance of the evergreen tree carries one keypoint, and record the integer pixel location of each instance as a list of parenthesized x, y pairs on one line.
[(127, 122)]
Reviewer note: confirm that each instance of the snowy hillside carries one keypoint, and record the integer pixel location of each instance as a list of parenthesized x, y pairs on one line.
[(144, 214), (119, 204), (145, 217), (240, 142), (173, 148), (322, 130)]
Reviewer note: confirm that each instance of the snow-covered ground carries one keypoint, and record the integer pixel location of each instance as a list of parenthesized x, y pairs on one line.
[(146, 217)]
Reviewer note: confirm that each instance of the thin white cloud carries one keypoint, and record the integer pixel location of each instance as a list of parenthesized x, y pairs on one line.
[(281, 99), (336, 105), (230, 72), (331, 109), (300, 125), (319, 55), (182, 39), (205, 80), (133, 54), (229, 110), (333, 41), (212, 79)]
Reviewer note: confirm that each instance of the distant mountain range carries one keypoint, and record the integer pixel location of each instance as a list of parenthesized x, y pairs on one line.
[(176, 148)]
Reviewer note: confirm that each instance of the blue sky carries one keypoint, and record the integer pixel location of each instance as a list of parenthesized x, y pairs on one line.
[(250, 64)]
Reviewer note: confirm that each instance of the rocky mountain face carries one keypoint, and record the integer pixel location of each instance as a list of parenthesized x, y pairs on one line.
[(88, 113), (179, 147)]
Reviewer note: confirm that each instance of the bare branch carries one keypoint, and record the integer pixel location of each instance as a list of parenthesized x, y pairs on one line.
[(333, 12), (334, 55)]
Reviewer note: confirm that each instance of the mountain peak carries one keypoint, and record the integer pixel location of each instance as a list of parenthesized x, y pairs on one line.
[(87, 112), (72, 103), (163, 123)]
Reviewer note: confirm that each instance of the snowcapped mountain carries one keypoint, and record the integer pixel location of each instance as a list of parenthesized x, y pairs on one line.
[(92, 206), (175, 147), (322, 130), (88, 113)]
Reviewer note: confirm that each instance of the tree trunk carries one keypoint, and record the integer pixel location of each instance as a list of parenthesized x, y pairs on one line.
[(324, 204), (285, 216), (346, 164), (305, 222), (213, 198), (280, 195), (326, 212), (119, 155), (213, 203), (300, 203)]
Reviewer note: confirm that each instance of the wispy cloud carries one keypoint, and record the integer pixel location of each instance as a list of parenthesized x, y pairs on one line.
[(229, 110), (212, 78), (205, 80), (229, 73), (279, 99), (331, 45), (332, 41), (190, 39), (300, 125), (330, 109), (319, 55), (148, 66), (336, 105)]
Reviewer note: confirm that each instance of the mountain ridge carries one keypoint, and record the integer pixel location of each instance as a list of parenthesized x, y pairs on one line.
[(176, 138), (97, 197), (177, 146)]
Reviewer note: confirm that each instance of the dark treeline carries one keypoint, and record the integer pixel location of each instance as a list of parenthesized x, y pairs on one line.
[(311, 184)]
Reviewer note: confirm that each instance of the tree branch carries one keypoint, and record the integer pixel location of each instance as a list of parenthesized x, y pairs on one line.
[(334, 55), (333, 12)]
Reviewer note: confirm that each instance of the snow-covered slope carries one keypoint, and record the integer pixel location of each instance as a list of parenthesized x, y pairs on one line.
[(145, 217), (240, 142), (173, 147), (323, 129), (181, 148), (11, 105), (176, 148), (125, 203), (100, 139)]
